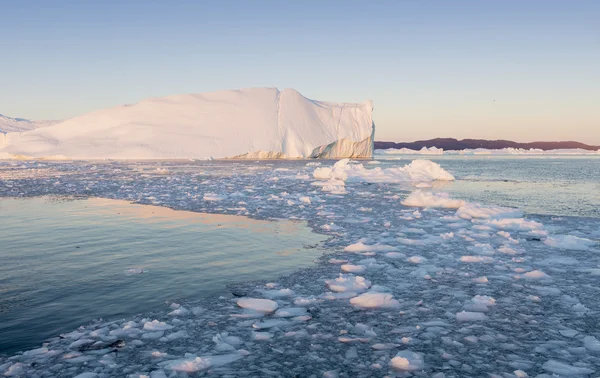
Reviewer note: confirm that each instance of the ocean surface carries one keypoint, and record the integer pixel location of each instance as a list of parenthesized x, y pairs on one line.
[(547, 185), (65, 262), (74, 248)]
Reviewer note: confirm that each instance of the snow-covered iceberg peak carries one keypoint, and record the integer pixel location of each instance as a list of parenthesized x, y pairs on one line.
[(247, 123)]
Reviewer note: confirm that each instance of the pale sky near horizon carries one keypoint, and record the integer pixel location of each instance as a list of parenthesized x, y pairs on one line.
[(518, 70)]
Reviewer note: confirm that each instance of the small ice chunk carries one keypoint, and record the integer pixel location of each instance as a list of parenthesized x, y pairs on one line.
[(421, 198), (416, 259), (484, 300), (395, 255), (156, 325), (270, 323), (375, 300), (195, 364), (261, 336), (480, 280), (536, 275), (361, 247), (132, 271), (468, 316), (350, 268), (564, 369), (407, 360), (289, 312), (569, 242), (261, 305), (214, 197), (592, 344), (348, 283), (477, 259), (86, 375)]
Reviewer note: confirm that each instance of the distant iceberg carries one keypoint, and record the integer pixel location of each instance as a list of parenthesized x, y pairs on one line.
[(483, 151), (257, 123)]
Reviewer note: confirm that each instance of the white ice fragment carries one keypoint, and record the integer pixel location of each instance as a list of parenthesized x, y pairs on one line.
[(180, 311), (350, 268), (468, 316), (262, 336), (416, 171), (565, 369), (407, 360), (477, 259), (480, 280), (270, 323), (416, 259), (536, 275), (156, 325), (177, 335), (132, 271), (484, 299), (193, 364), (158, 374), (569, 242), (592, 344), (421, 198), (289, 312), (361, 247), (348, 282), (259, 305), (447, 235), (375, 300), (386, 346), (214, 197), (395, 255)]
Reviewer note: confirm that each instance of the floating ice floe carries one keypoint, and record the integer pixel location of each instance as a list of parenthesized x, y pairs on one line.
[(194, 364), (375, 300), (416, 171), (407, 360), (420, 198), (348, 282), (257, 304), (570, 242), (133, 271)]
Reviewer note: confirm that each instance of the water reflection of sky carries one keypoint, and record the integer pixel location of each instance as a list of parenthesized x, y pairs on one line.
[(62, 262)]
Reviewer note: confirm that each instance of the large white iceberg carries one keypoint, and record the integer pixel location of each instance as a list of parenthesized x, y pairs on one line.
[(17, 125), (247, 123)]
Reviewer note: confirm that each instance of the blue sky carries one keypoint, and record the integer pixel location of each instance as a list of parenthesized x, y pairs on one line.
[(521, 70)]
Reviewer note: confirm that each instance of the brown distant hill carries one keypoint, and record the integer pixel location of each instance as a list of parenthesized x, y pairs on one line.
[(455, 144)]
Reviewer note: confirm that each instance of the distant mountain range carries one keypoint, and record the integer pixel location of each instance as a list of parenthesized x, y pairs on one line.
[(455, 144)]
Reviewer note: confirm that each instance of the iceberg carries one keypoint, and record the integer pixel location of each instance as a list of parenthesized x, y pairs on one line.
[(16, 125), (256, 123)]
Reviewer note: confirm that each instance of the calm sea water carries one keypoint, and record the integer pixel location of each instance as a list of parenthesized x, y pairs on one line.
[(564, 186), (62, 263)]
